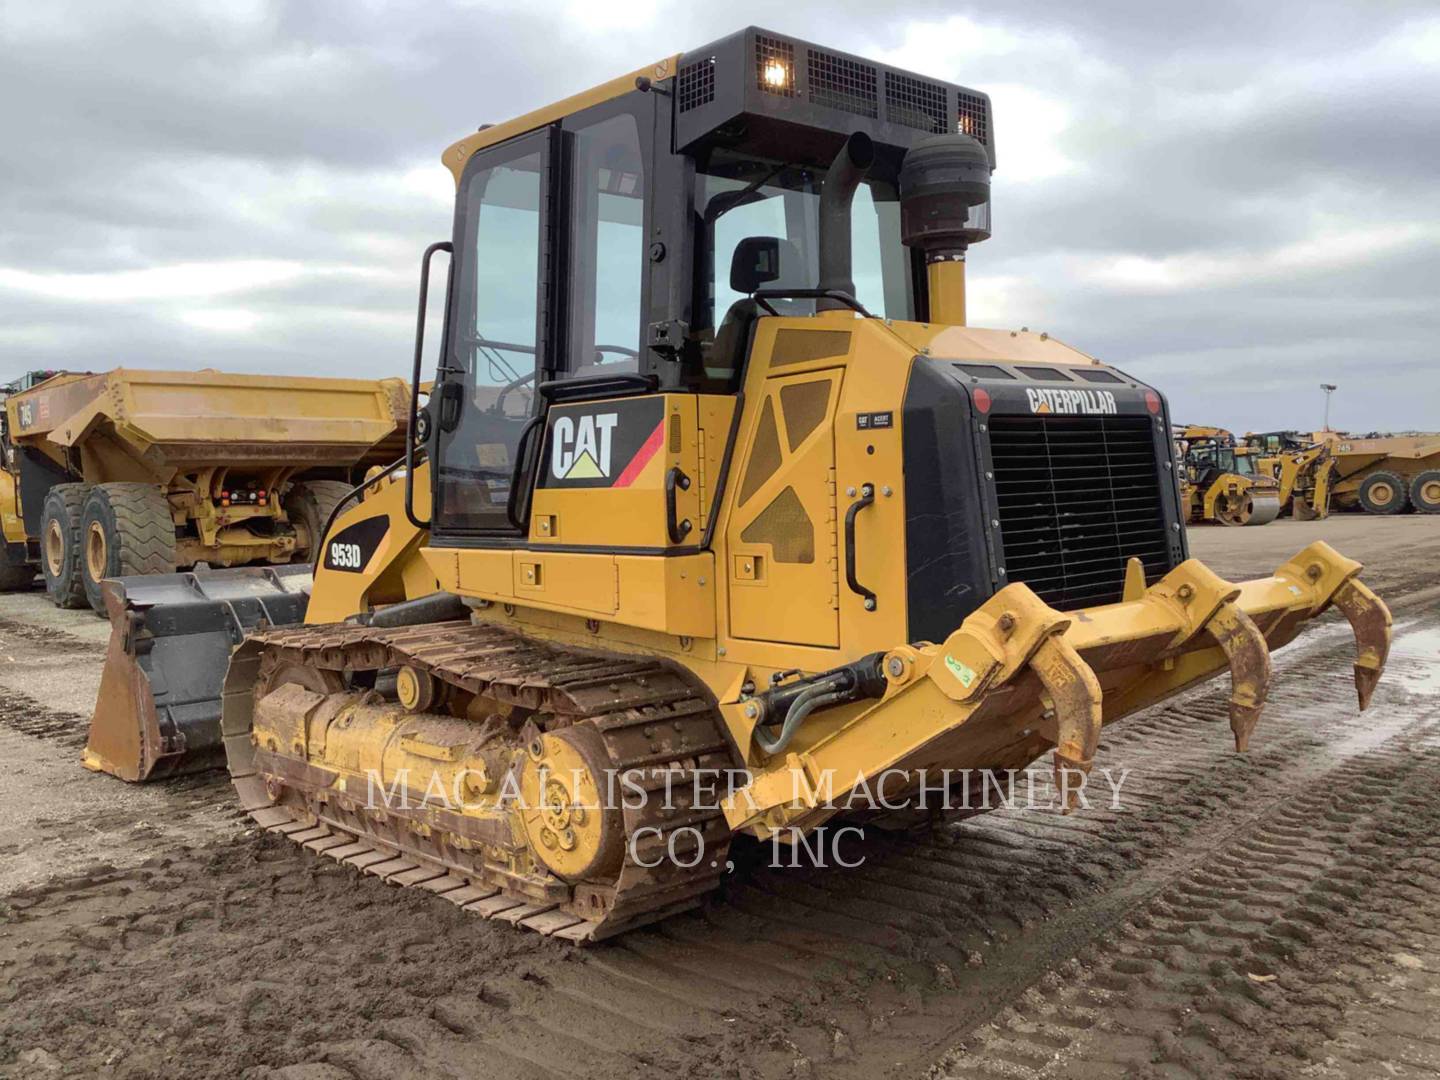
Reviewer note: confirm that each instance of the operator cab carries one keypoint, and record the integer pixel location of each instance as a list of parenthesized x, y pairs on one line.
[(629, 238)]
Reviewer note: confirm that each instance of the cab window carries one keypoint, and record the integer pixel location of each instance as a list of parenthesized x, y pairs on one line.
[(607, 246)]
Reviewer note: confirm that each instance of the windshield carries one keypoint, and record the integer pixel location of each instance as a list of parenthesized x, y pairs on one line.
[(741, 196)]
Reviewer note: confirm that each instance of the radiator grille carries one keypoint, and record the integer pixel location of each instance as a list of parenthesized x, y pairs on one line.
[(1078, 496)]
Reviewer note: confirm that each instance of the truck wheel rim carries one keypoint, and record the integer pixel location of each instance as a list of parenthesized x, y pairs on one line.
[(1382, 494), (96, 554), (1430, 492), (54, 549)]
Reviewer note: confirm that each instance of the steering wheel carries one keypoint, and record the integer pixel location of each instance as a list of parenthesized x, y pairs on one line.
[(513, 384)]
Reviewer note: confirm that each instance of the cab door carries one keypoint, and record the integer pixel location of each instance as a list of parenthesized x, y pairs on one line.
[(497, 333)]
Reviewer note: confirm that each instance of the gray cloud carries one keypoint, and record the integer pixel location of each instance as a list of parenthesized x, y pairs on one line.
[(1207, 195)]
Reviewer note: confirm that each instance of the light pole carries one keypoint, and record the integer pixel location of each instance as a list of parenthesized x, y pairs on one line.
[(1329, 389)]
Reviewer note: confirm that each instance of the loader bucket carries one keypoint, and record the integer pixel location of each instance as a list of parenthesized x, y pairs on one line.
[(171, 635)]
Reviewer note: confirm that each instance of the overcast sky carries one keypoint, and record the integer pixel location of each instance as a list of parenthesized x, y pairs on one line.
[(1236, 201)]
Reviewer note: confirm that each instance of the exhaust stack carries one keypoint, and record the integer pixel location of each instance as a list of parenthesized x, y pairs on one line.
[(841, 179), (944, 208)]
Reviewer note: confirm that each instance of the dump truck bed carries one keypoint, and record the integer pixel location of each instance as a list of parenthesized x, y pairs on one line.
[(173, 419)]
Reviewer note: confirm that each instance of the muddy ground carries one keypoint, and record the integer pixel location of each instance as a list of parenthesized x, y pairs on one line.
[(1275, 914)]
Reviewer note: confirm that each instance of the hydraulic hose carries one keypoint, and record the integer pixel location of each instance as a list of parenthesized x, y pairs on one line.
[(810, 699)]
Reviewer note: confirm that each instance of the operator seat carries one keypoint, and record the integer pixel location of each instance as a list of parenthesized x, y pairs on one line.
[(756, 261)]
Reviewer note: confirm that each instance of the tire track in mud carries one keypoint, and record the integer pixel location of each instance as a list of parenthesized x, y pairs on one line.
[(850, 973), (47, 638), (1233, 968), (22, 713)]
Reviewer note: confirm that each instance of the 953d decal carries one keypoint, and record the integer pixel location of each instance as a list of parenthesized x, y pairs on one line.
[(351, 549)]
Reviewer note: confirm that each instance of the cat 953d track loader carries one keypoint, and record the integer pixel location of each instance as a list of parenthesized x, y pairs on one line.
[(727, 486)]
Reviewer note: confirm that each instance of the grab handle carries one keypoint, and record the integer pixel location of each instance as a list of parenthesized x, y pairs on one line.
[(411, 421), (678, 530), (867, 498)]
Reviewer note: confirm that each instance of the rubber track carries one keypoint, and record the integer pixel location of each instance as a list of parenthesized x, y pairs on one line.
[(649, 716)]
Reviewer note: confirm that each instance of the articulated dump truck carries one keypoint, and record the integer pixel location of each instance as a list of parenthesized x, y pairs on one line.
[(134, 472), (719, 482)]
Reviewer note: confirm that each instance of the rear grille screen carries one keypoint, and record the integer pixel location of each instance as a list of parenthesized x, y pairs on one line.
[(843, 84), (696, 85), (916, 103), (973, 119), (775, 66), (1078, 496)]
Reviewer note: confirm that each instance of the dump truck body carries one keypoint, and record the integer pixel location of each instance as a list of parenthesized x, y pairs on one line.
[(1385, 474), (134, 471)]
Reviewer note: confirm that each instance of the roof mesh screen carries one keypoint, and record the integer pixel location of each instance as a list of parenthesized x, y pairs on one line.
[(973, 119), (842, 83), (696, 85), (774, 66), (915, 103), (985, 371)]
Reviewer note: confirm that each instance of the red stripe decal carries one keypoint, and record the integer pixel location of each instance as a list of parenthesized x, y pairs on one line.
[(642, 456)]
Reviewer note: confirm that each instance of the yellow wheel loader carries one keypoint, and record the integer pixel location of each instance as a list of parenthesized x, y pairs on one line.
[(750, 528), (1304, 469), (1223, 483)]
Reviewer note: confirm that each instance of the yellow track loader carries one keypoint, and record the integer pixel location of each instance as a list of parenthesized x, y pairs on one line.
[(751, 529), (1222, 483)]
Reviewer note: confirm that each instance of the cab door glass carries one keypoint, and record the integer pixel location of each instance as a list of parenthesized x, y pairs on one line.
[(608, 250), (495, 345)]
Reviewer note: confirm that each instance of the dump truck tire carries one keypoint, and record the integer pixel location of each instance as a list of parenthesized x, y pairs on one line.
[(1384, 493), (127, 529), (60, 544), (1425, 492), (310, 503)]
